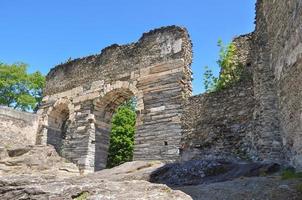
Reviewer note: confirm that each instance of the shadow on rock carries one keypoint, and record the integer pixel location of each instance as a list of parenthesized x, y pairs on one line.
[(197, 172)]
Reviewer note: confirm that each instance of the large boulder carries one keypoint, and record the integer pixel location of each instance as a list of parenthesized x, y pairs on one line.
[(35, 160), (95, 186)]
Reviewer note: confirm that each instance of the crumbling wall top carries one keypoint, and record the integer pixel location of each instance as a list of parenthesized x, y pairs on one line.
[(156, 46)]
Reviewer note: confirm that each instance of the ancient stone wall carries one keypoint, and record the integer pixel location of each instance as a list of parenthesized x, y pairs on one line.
[(258, 118), (17, 128), (278, 57), (220, 124), (272, 100), (82, 95)]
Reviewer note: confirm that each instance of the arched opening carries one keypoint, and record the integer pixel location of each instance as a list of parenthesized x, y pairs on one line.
[(57, 126), (115, 127)]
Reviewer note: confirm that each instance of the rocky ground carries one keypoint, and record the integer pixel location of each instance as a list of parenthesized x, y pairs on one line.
[(252, 188), (37, 160), (221, 180), (39, 173)]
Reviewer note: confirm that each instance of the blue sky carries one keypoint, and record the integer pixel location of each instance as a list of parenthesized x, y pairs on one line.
[(46, 33)]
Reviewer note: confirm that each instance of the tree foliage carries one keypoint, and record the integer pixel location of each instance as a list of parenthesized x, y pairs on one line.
[(19, 89), (230, 69), (122, 135)]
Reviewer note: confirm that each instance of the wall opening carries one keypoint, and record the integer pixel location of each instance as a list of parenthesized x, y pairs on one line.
[(57, 126), (115, 128)]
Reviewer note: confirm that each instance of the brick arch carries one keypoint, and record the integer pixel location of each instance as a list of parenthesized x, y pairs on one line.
[(156, 70)]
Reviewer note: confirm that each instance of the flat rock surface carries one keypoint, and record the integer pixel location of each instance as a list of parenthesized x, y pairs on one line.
[(253, 188), (135, 170), (35, 160), (98, 189), (127, 181)]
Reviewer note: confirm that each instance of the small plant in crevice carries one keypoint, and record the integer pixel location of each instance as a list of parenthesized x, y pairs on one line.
[(230, 69), (290, 174), (81, 196), (299, 188)]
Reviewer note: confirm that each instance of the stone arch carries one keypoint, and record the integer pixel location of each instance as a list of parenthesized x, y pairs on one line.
[(104, 110), (123, 86), (155, 69), (57, 123)]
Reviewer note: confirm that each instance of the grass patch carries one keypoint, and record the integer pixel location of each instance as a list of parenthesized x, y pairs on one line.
[(299, 187), (81, 196), (290, 174), (166, 190)]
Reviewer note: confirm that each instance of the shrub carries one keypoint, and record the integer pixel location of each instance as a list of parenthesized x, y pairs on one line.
[(299, 187), (230, 69), (290, 174)]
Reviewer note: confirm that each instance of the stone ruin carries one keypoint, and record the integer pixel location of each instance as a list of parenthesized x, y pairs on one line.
[(82, 95), (258, 118)]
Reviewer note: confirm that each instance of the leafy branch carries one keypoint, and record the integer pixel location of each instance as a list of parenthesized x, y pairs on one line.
[(230, 69)]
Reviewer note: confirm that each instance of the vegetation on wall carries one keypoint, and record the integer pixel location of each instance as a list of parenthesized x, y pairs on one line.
[(290, 174), (122, 135), (230, 69), (19, 89)]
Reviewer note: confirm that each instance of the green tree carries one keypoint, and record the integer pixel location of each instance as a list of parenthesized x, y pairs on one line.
[(230, 69), (122, 135), (19, 89)]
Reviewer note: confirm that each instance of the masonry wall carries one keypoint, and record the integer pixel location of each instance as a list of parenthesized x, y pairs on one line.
[(272, 126), (220, 124), (17, 128), (279, 37)]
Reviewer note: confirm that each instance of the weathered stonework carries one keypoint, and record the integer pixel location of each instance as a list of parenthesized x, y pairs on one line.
[(258, 118), (278, 62), (17, 128), (220, 124), (267, 114), (82, 95)]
